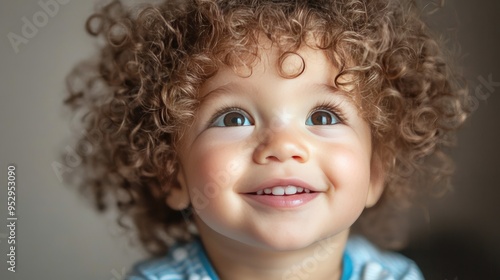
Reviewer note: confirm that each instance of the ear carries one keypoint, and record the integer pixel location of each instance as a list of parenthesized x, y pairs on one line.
[(377, 180), (178, 197)]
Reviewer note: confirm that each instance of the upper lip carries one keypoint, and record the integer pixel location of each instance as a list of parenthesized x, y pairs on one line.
[(282, 182)]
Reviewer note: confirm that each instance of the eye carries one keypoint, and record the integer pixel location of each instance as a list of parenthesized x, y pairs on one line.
[(234, 117), (322, 117)]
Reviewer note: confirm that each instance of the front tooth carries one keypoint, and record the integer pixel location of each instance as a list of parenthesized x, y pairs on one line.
[(300, 189), (260, 192), (290, 190), (267, 191), (278, 191)]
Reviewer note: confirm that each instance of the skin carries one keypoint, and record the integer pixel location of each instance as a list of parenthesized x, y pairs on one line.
[(220, 165)]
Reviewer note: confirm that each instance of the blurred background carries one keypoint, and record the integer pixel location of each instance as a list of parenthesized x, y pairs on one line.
[(59, 236)]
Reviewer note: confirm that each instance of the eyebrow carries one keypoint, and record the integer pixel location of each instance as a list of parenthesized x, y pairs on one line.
[(331, 89), (226, 88), (321, 88)]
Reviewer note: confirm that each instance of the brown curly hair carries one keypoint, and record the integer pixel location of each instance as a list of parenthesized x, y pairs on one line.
[(141, 92)]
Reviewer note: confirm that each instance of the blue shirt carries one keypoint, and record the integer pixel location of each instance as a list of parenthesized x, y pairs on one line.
[(361, 261)]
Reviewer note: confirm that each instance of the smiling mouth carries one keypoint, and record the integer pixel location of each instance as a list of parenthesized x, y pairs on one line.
[(282, 191)]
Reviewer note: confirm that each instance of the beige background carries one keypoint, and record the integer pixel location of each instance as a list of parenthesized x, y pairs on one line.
[(60, 237)]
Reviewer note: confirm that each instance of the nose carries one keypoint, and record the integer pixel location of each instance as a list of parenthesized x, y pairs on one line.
[(281, 146)]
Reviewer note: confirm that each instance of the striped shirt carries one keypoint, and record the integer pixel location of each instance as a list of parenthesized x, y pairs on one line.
[(361, 261)]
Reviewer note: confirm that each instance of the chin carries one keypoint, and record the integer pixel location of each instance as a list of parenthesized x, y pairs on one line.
[(284, 241), (274, 240)]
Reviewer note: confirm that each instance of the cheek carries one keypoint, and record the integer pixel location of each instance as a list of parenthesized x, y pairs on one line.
[(213, 169), (348, 170), (213, 174), (211, 165), (217, 154)]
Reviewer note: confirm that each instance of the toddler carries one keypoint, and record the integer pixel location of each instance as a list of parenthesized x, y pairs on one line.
[(242, 139)]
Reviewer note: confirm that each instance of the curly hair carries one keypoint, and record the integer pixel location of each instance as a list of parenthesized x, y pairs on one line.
[(141, 92)]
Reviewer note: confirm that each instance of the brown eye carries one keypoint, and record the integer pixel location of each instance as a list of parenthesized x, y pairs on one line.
[(322, 117), (232, 118)]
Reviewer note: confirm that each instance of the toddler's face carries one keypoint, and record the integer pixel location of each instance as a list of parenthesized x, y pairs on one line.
[(278, 163)]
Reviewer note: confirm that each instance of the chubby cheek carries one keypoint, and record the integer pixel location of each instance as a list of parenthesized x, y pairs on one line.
[(213, 169), (212, 177), (348, 171)]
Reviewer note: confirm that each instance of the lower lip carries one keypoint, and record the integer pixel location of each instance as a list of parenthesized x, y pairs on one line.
[(283, 201)]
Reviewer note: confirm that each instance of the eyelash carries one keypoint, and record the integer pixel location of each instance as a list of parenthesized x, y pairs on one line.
[(334, 108), (223, 110)]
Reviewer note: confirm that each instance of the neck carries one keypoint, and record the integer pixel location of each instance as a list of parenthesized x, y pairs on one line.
[(235, 260)]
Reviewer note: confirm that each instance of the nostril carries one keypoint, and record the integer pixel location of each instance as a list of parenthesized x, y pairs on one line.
[(273, 158)]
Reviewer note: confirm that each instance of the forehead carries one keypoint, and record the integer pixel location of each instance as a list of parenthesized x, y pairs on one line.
[(271, 63)]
